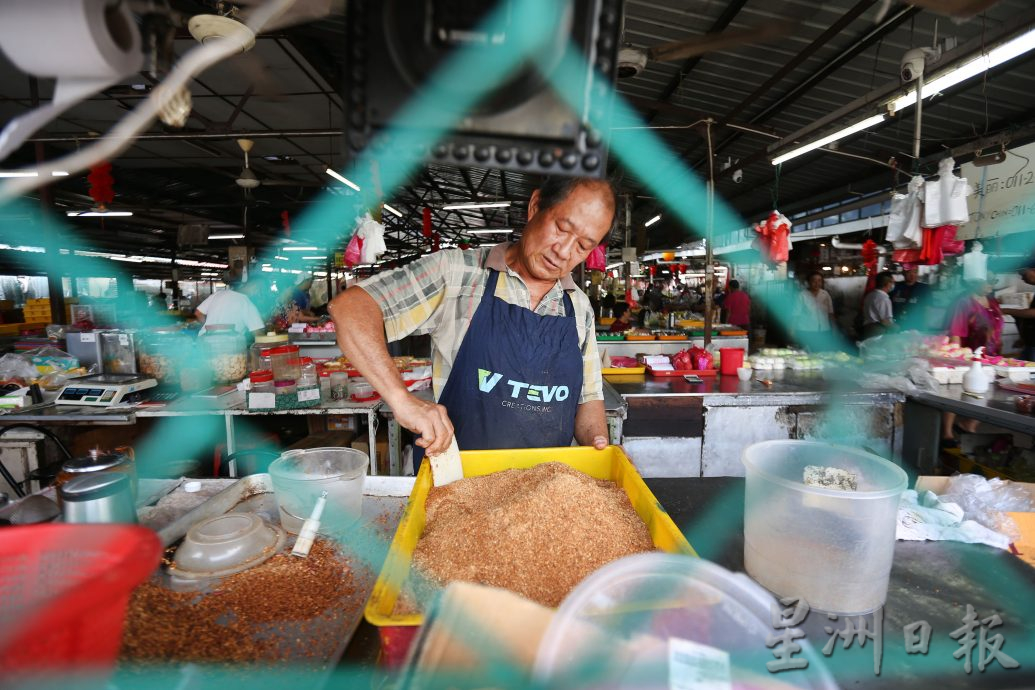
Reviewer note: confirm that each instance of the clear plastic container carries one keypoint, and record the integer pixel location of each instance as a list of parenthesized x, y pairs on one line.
[(161, 353), (262, 381), (307, 373), (833, 548), (361, 391), (648, 620), (325, 385), (299, 476), (287, 387), (339, 385), (224, 351), (256, 360), (284, 361)]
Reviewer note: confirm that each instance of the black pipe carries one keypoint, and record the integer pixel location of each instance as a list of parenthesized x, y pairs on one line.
[(8, 477)]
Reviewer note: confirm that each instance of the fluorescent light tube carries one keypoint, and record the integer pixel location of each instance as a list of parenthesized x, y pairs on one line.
[(1003, 53), (29, 173), (300, 248), (282, 258), (830, 138), (341, 178), (489, 231), (313, 258), (90, 214), (226, 237), (392, 210), (477, 204), (652, 221)]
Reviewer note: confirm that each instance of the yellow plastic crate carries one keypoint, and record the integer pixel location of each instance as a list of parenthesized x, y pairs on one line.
[(610, 463)]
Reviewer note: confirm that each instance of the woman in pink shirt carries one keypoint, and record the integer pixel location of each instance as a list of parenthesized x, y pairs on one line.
[(976, 321)]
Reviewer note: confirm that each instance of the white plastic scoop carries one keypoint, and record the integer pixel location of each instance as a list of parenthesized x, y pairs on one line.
[(446, 467)]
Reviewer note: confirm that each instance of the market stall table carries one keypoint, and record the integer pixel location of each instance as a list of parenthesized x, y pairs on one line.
[(674, 428), (923, 415)]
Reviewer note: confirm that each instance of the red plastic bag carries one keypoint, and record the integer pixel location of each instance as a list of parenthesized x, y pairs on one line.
[(597, 259), (354, 252)]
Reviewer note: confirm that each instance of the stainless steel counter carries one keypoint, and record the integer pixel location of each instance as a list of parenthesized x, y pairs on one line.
[(995, 407)]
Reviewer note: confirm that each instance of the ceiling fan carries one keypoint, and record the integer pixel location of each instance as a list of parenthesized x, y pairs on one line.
[(247, 179)]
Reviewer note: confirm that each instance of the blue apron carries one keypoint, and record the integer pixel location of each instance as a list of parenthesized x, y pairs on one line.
[(517, 378)]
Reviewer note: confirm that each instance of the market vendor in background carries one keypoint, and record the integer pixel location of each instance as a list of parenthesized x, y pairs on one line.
[(623, 318), (815, 309), (878, 316), (229, 306), (1025, 318), (736, 307), (296, 305), (908, 299), (976, 320), (515, 362)]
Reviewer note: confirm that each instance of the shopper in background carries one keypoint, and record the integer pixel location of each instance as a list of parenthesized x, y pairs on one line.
[(1025, 318), (623, 319), (878, 315), (295, 307), (736, 307), (909, 298), (976, 320), (815, 309), (229, 306), (515, 362)]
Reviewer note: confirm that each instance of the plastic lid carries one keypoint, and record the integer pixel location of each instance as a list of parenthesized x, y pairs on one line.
[(282, 350), (261, 376), (94, 462), (283, 383), (271, 338), (322, 373), (306, 360), (96, 485)]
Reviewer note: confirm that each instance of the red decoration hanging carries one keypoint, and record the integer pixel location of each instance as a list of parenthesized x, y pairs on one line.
[(101, 184), (464, 246), (426, 228), (435, 239), (773, 237), (869, 257), (285, 222)]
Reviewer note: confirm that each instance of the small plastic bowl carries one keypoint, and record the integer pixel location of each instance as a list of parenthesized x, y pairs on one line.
[(744, 373), (226, 544)]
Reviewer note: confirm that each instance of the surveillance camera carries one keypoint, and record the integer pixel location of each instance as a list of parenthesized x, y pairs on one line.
[(738, 176), (912, 65)]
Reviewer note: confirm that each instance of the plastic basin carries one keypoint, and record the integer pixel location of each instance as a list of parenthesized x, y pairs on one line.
[(832, 548), (647, 620), (300, 476)]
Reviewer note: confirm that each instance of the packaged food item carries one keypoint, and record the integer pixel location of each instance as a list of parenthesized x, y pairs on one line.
[(224, 351)]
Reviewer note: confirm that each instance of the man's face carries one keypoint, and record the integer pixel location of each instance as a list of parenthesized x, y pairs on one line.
[(1028, 276), (558, 239), (815, 283), (910, 276)]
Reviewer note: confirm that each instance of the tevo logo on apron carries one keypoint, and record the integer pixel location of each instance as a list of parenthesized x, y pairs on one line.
[(487, 381)]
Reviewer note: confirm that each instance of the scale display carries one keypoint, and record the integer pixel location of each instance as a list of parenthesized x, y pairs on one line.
[(102, 390)]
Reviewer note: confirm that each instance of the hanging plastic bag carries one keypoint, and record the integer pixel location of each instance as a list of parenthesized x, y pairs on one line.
[(904, 220), (945, 199), (373, 235), (597, 259), (354, 252)]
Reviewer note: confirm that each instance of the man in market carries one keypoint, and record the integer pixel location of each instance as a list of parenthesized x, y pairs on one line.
[(230, 306), (515, 361), (878, 316), (909, 298), (1025, 318)]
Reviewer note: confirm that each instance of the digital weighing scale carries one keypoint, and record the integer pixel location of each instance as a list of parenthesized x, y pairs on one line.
[(103, 390)]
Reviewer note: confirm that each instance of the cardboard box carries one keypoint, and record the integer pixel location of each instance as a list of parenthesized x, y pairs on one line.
[(1025, 547)]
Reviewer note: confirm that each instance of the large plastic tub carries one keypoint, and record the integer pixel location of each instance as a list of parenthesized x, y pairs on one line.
[(300, 476), (645, 620), (832, 548), (397, 631)]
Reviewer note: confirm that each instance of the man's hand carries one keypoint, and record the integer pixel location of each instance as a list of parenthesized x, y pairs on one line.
[(427, 419), (600, 442)]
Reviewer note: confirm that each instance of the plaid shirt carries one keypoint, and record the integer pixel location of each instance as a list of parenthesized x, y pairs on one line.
[(439, 293)]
